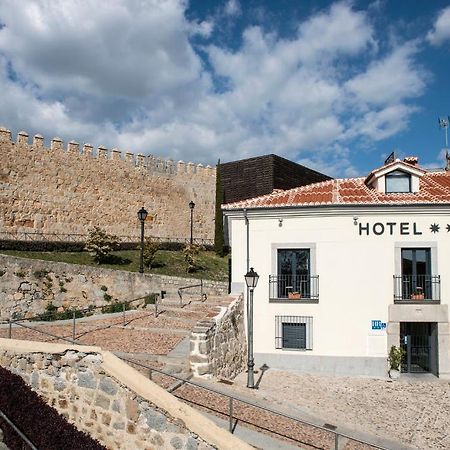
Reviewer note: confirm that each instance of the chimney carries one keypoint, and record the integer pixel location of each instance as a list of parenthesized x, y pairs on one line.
[(412, 160)]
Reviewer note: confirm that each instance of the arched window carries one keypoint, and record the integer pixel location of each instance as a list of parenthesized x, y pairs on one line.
[(398, 181)]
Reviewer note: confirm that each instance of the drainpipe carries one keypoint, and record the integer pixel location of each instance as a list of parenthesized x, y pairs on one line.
[(248, 239)]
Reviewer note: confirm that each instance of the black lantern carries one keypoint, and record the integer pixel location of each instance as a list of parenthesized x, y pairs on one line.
[(251, 278), (142, 214), (191, 204)]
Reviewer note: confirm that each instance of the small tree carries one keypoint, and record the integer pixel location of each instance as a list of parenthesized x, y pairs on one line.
[(100, 244), (219, 243), (150, 249), (190, 252)]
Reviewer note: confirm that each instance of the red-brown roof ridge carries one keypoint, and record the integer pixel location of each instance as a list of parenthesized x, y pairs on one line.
[(434, 188)]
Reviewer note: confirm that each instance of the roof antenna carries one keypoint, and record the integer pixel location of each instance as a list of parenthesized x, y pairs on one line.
[(443, 124)]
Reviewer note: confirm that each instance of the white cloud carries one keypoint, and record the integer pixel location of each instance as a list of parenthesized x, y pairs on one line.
[(441, 28), (396, 76), (128, 75), (232, 8)]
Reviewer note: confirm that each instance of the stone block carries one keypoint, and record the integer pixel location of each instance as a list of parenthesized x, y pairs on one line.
[(119, 425), (176, 442), (155, 420), (131, 409), (87, 380), (108, 386), (102, 401), (59, 384)]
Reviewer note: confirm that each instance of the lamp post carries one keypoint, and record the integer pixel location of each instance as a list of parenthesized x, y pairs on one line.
[(251, 279), (191, 207), (142, 215)]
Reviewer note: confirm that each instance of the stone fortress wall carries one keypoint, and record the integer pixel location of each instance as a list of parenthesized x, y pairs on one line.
[(68, 189)]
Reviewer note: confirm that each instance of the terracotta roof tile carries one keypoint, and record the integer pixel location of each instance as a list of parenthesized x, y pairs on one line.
[(434, 188)]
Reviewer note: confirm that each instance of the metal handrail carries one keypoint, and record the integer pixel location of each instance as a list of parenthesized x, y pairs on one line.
[(17, 322), (20, 433), (80, 237), (231, 398), (337, 434), (203, 296)]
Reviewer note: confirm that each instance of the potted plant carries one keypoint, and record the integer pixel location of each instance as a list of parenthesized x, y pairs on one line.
[(294, 295), (396, 355), (418, 294)]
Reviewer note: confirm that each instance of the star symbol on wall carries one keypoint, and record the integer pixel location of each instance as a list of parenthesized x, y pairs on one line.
[(435, 228), (448, 228)]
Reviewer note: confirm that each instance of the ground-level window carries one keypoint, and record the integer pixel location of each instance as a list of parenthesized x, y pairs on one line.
[(293, 332)]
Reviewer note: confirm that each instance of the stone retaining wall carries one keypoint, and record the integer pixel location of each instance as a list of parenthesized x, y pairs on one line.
[(27, 286), (218, 346), (109, 400)]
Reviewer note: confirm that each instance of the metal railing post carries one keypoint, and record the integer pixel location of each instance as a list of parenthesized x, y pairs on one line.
[(201, 290), (150, 374), (123, 312), (156, 306), (74, 315), (9, 328), (231, 414), (336, 441)]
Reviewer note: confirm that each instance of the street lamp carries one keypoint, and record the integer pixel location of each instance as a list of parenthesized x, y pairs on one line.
[(191, 207), (251, 279), (142, 215)]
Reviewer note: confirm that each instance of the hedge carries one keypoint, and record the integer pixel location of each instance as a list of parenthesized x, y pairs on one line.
[(43, 426)]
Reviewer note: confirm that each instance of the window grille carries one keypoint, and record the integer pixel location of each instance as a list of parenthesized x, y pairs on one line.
[(293, 332)]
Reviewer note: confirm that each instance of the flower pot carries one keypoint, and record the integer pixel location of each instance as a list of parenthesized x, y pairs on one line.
[(394, 374), (294, 295)]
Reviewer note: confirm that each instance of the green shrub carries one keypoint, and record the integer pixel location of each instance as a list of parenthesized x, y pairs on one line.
[(190, 252), (150, 249), (40, 273), (107, 297), (395, 357), (150, 299), (20, 274), (2, 272), (115, 307), (62, 289), (100, 244), (103, 288)]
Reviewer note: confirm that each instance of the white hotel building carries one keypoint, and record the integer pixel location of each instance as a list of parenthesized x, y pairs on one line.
[(348, 268)]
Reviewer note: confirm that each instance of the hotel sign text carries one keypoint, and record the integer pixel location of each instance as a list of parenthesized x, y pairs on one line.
[(381, 228)]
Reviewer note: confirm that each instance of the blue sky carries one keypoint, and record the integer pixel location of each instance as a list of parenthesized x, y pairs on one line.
[(334, 85)]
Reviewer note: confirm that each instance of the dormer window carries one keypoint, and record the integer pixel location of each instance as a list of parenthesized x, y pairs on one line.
[(398, 181)]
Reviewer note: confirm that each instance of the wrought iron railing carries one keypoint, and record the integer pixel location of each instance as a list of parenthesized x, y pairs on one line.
[(34, 236), (294, 287), (414, 288)]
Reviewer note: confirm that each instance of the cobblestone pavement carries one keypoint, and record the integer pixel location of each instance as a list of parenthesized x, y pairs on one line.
[(414, 412)]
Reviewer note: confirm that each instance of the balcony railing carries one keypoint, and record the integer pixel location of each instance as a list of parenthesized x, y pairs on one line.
[(294, 287), (417, 288)]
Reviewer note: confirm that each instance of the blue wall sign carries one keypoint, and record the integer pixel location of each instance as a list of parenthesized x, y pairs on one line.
[(378, 325)]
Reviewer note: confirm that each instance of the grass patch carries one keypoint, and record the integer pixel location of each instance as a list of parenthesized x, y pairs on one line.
[(210, 266)]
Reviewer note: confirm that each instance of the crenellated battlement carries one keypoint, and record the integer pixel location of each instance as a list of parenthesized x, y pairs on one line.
[(155, 165)]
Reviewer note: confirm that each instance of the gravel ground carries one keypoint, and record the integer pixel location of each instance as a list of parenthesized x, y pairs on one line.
[(413, 412)]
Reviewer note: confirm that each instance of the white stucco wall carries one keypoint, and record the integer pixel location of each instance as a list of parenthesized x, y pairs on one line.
[(355, 271)]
